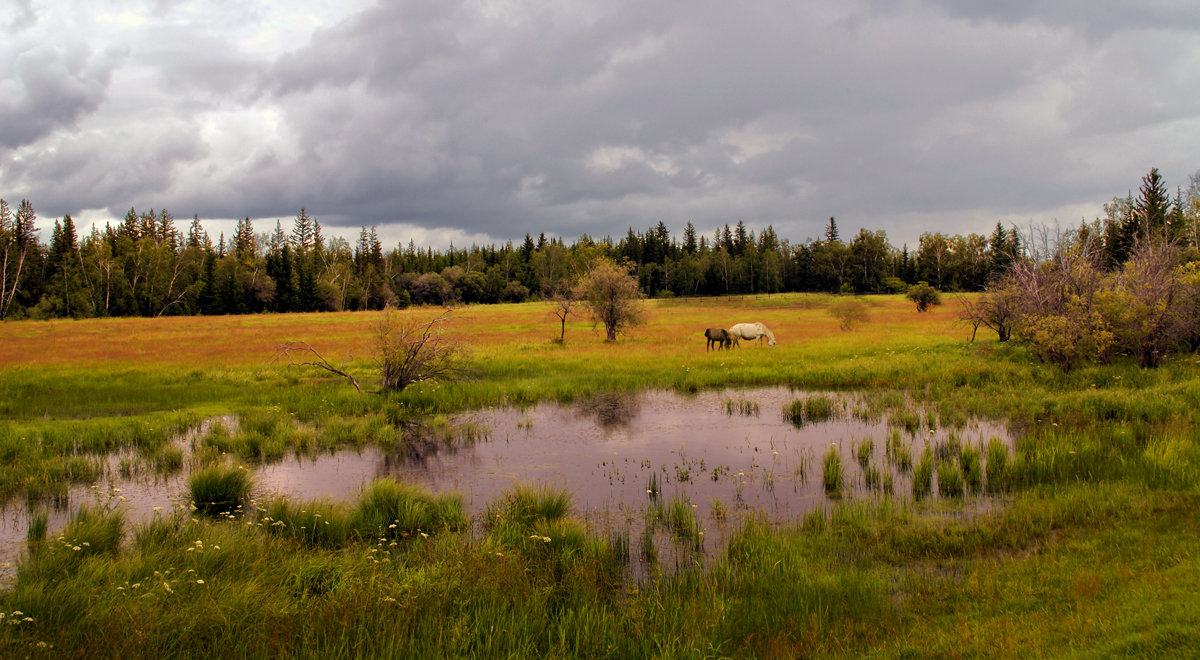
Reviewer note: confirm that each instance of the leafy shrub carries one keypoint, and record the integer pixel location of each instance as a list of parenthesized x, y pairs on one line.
[(924, 295), (895, 284)]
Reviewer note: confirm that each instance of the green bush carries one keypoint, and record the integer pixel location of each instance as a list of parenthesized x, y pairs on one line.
[(924, 295)]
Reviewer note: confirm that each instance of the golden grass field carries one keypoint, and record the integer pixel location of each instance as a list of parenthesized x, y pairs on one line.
[(671, 328)]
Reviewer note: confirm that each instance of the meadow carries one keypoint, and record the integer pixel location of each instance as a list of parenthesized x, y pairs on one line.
[(1088, 548)]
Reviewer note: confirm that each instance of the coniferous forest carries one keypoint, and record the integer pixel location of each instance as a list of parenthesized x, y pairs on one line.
[(151, 264)]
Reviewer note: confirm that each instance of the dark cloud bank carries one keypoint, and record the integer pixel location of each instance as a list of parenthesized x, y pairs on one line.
[(493, 119)]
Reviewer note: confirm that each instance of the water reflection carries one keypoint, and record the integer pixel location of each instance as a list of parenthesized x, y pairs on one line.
[(721, 454), (611, 409)]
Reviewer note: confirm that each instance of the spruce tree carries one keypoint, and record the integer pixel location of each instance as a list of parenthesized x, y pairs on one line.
[(197, 237), (689, 238), (1153, 204), (831, 232)]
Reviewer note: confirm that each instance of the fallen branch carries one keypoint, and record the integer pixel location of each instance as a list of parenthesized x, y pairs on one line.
[(302, 354)]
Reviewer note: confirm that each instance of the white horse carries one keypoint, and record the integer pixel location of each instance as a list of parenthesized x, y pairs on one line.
[(752, 331)]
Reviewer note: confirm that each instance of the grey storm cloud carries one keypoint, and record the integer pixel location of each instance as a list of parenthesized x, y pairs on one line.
[(50, 88), (495, 118)]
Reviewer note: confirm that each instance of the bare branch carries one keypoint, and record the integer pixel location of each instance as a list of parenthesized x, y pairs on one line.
[(410, 351), (302, 354)]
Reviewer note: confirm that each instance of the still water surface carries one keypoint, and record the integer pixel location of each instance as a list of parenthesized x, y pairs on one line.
[(711, 449)]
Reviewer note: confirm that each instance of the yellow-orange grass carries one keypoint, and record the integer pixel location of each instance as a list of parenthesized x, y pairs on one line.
[(672, 329)]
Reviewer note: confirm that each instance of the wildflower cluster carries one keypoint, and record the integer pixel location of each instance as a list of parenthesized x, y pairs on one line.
[(16, 618)]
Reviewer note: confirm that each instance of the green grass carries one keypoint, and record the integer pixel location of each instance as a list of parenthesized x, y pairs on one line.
[(220, 489), (832, 471), (971, 463), (863, 452), (949, 479), (922, 476), (391, 509), (999, 478), (812, 409), (680, 516)]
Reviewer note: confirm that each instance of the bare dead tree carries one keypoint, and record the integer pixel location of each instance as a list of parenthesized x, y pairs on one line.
[(1148, 311), (563, 301), (995, 309), (302, 354), (410, 351)]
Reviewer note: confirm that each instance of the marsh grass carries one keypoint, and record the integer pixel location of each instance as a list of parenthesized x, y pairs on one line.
[(387, 508), (922, 479), (864, 451), (949, 479), (948, 451), (220, 489), (812, 409), (872, 478), (523, 508), (168, 460), (971, 462), (743, 407), (999, 478), (899, 453), (39, 520), (316, 524), (680, 516), (832, 472), (910, 421)]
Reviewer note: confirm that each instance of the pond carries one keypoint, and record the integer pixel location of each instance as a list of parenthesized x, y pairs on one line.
[(625, 458)]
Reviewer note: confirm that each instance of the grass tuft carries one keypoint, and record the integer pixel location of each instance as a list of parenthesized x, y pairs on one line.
[(832, 472), (220, 489)]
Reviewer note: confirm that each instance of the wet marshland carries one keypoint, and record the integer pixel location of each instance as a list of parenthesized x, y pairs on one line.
[(673, 474)]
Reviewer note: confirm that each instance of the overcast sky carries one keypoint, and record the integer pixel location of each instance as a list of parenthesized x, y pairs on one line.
[(479, 120)]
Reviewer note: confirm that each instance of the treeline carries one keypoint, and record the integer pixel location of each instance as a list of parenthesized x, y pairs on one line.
[(150, 265)]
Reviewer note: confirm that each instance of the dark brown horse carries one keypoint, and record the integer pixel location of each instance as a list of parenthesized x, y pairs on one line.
[(718, 336)]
